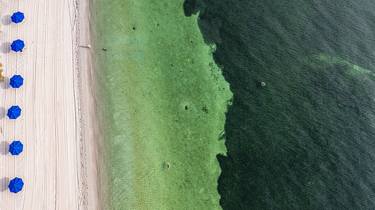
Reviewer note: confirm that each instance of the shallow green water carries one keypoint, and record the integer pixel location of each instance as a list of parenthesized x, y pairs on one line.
[(165, 101)]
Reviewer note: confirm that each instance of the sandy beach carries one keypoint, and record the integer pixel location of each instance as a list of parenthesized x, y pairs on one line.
[(58, 122)]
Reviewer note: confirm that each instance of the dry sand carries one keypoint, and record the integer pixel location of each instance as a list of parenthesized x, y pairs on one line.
[(58, 123)]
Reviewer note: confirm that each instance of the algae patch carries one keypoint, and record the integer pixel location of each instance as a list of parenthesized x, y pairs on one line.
[(352, 69)]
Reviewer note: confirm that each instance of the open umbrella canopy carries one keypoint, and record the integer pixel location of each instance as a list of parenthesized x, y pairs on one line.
[(16, 81), (14, 112), (17, 17), (16, 147), (15, 185), (17, 45)]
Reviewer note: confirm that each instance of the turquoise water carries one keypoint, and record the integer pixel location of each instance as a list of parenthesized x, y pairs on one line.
[(307, 139)]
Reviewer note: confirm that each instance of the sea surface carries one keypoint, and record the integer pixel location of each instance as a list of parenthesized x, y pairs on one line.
[(307, 139)]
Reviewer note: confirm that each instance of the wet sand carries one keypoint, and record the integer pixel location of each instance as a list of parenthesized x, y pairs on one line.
[(59, 120)]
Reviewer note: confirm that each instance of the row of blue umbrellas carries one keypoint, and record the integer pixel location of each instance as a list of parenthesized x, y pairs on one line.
[(16, 81), (17, 45)]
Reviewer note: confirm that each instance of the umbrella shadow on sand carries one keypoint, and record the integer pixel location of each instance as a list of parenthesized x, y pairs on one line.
[(4, 148), (4, 184), (5, 20), (2, 115), (4, 84), (5, 47)]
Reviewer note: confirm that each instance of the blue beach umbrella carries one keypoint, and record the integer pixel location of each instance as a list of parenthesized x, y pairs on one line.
[(15, 185), (17, 17), (16, 81), (17, 45), (16, 148), (14, 112)]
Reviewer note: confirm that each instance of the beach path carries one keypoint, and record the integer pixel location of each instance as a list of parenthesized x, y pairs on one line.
[(53, 164)]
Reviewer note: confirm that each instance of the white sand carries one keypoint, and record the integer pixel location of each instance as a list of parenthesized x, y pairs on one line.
[(58, 123)]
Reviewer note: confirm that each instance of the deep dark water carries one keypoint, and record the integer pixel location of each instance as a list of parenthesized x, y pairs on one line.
[(307, 139)]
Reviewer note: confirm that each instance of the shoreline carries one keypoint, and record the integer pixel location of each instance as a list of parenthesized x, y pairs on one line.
[(92, 170)]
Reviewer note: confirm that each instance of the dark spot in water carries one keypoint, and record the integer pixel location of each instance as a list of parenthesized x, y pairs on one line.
[(222, 135), (134, 28), (166, 165), (186, 107), (205, 109), (104, 49)]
